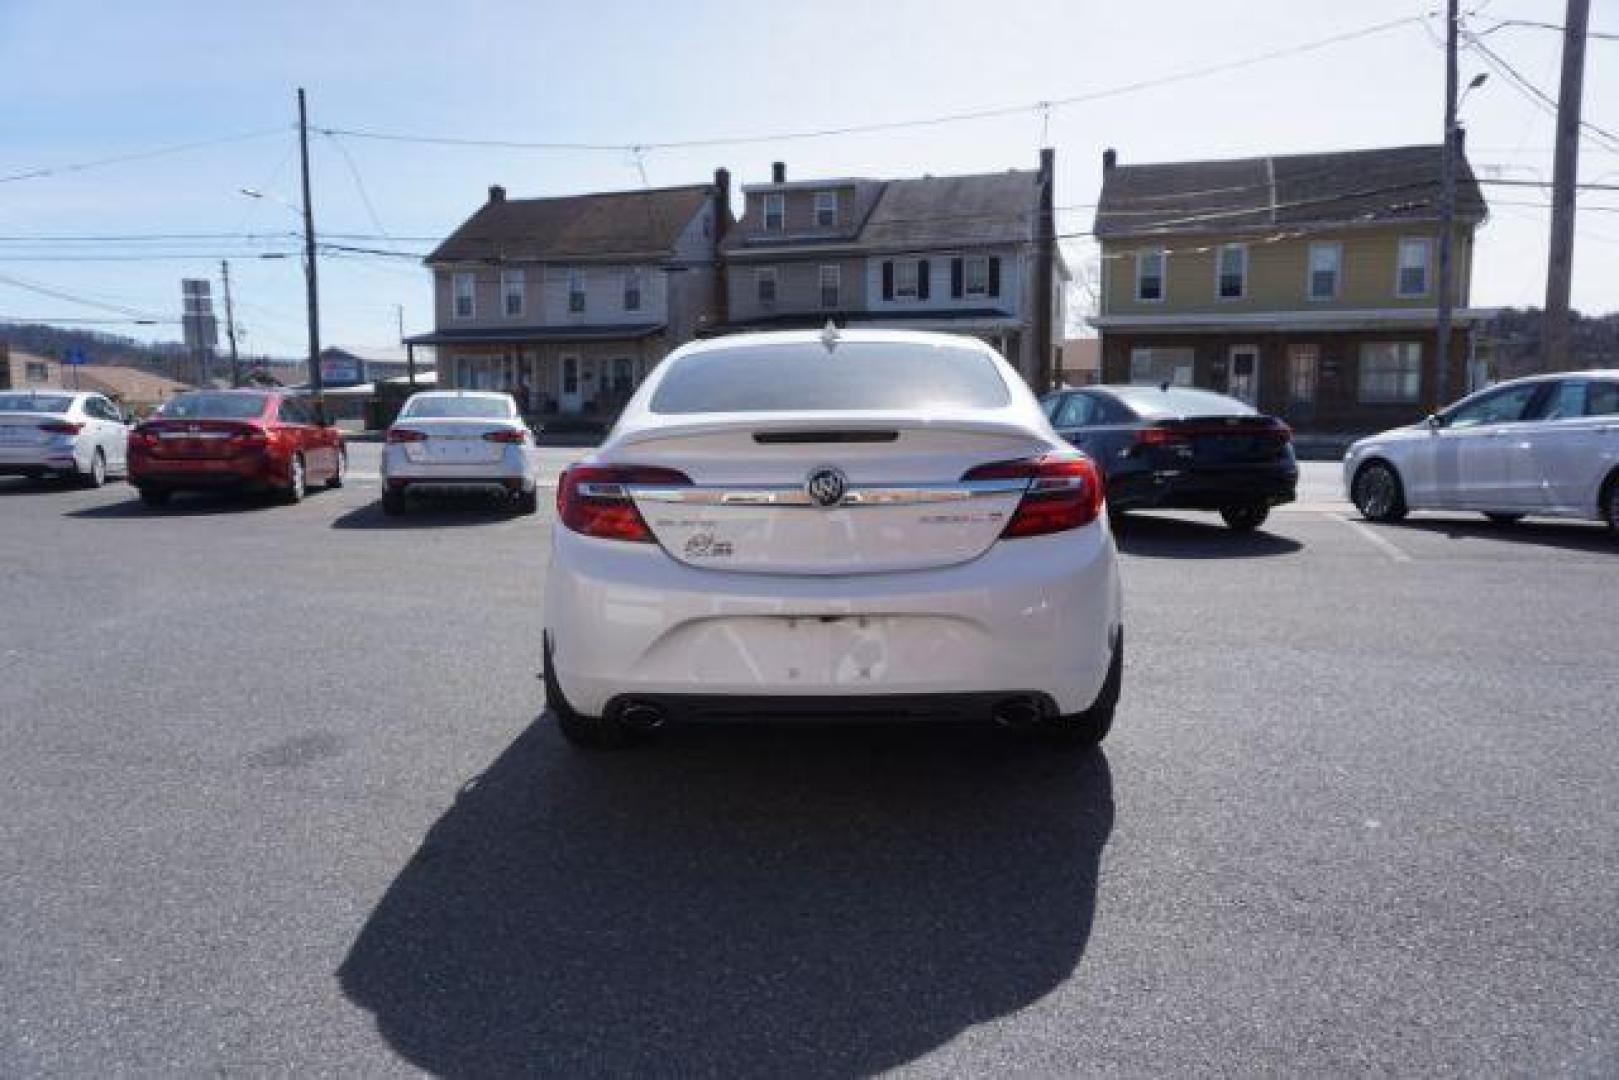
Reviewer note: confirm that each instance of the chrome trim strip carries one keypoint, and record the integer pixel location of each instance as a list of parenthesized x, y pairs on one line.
[(794, 495)]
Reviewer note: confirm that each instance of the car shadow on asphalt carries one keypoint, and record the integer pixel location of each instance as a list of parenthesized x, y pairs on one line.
[(429, 514), (1578, 536), (1180, 538), (180, 504), (24, 485), (788, 902)]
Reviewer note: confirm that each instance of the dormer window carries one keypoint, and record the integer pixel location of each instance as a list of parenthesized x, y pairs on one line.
[(775, 212), (826, 209)]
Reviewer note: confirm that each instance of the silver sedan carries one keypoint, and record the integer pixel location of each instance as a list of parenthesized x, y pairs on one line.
[(61, 433)]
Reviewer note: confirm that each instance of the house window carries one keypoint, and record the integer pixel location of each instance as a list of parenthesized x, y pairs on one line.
[(632, 290), (511, 292), (1326, 262), (464, 305), (976, 273), (1390, 372), (775, 212), (1150, 275), (831, 282), (1152, 367), (1413, 269), (826, 209), (1232, 271), (576, 291), (34, 371), (1303, 373), (907, 279), (764, 280)]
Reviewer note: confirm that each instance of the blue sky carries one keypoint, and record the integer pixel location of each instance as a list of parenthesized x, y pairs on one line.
[(91, 80)]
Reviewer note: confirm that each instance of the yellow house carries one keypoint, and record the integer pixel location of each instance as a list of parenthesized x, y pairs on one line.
[(1305, 285)]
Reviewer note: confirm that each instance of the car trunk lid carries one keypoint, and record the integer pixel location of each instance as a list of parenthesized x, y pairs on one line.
[(456, 441), (199, 439), (827, 495)]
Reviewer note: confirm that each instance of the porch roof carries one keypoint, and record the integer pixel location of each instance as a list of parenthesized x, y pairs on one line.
[(967, 319), (536, 335)]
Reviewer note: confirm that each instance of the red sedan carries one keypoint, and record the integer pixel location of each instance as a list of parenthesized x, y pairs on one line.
[(246, 440)]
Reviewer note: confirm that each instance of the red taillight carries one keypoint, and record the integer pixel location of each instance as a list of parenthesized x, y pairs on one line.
[(61, 427), (503, 436), (1064, 492), (251, 437), (142, 438), (592, 500), (1161, 436), (405, 434)]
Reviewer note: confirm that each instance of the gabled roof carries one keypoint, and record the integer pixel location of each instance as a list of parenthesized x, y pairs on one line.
[(609, 224), (1349, 187), (986, 208)]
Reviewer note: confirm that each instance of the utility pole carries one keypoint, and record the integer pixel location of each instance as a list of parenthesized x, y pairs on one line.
[(230, 325), (410, 350), (1045, 242), (1565, 171), (312, 289), (1447, 216)]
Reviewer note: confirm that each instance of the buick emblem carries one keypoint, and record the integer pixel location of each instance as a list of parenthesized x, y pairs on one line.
[(826, 486)]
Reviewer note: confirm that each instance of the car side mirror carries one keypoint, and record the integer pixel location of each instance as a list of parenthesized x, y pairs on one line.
[(1435, 421)]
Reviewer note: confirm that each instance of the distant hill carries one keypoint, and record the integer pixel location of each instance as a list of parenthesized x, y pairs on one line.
[(1512, 341), (167, 358)]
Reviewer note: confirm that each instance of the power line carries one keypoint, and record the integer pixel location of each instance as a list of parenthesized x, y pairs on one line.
[(1516, 79), (884, 126), (141, 155), (1531, 24), (60, 294)]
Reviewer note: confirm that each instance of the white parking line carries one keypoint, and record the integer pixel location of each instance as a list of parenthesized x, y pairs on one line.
[(1381, 543)]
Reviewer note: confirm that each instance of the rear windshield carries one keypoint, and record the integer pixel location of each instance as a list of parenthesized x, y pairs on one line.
[(469, 408), (213, 406), (853, 375), (1149, 401), (52, 403)]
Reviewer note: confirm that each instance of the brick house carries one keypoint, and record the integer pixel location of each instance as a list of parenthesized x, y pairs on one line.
[(953, 253), (1305, 285), (569, 302)]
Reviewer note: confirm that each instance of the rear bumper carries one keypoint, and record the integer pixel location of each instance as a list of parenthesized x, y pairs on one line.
[(1030, 617), (1203, 489), (47, 460), (256, 472), (514, 471)]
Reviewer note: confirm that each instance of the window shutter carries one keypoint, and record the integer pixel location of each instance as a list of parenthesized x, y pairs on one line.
[(922, 279), (955, 278), (994, 275), (888, 280)]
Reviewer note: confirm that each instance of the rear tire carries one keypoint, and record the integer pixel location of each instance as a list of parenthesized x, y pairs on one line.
[(295, 489), (1610, 504), (155, 497), (1245, 518), (97, 476), (1089, 728), (528, 502), (1503, 519), (393, 503), (586, 732), (1378, 494)]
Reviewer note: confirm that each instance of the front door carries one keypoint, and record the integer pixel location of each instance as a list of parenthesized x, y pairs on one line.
[(568, 395), (1242, 374)]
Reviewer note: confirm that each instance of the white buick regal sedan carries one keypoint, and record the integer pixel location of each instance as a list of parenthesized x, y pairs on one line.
[(823, 525), (1546, 445)]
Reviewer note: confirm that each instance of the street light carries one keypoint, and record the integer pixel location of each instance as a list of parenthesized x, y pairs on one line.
[(1477, 81)]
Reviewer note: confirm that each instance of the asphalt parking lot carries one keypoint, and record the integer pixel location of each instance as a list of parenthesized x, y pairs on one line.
[(277, 796)]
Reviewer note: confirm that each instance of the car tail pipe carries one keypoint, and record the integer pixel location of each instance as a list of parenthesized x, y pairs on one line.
[(1020, 712), (642, 715)]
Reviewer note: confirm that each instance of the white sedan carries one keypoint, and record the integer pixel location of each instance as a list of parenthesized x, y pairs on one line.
[(1545, 445), (459, 441), (61, 433), (867, 524)]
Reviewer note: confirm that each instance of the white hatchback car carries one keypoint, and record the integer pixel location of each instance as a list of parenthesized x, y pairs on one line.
[(62, 433), (458, 441), (868, 524), (1545, 445)]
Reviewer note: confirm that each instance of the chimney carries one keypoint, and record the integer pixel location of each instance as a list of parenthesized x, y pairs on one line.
[(722, 203), (778, 172), (1110, 158), (497, 193)]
